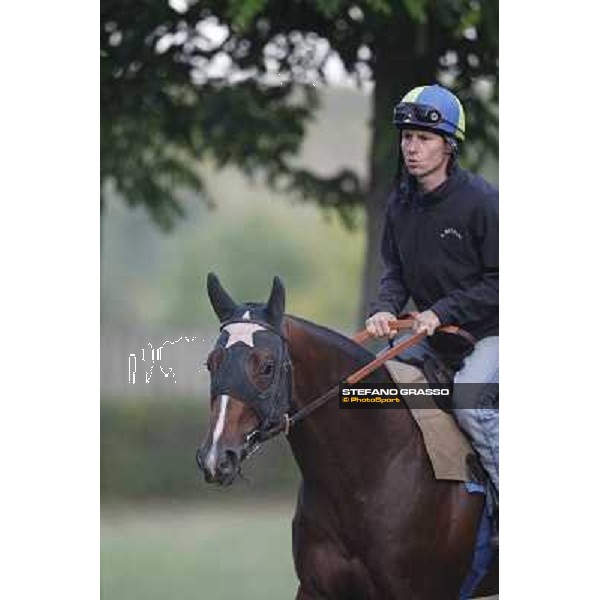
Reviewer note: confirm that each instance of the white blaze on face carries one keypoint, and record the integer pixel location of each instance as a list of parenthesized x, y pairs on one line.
[(242, 332), (211, 461)]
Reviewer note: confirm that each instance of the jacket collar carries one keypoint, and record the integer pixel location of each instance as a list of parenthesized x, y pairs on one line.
[(408, 191)]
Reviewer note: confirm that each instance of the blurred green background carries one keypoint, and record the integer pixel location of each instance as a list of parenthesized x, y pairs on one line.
[(164, 532), (194, 551), (150, 278)]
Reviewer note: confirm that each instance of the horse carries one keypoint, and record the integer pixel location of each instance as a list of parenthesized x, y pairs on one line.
[(371, 521)]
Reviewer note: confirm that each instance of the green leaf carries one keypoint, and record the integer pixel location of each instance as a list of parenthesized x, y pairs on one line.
[(380, 6), (243, 12), (417, 10)]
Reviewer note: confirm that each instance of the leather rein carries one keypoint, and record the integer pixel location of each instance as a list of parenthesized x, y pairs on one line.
[(258, 436)]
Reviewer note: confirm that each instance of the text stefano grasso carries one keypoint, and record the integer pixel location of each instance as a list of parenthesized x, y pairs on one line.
[(411, 391)]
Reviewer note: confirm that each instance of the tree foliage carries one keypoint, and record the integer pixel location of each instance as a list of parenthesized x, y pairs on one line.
[(237, 81)]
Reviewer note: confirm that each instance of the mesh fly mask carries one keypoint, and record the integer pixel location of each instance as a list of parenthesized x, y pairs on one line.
[(251, 362)]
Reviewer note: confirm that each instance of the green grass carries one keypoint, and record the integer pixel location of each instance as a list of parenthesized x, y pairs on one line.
[(220, 552)]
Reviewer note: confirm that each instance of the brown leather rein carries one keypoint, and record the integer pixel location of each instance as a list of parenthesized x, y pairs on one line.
[(360, 337)]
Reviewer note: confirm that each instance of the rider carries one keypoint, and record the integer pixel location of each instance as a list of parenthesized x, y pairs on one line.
[(440, 247)]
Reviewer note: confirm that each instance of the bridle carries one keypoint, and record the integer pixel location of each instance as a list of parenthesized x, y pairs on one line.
[(270, 428), (279, 391)]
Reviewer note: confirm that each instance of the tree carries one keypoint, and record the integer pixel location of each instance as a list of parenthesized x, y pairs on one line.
[(237, 81)]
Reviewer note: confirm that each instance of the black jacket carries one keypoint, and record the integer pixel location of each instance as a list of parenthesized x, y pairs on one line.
[(441, 249)]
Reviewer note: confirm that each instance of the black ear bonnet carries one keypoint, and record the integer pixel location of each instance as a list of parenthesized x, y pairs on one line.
[(250, 360)]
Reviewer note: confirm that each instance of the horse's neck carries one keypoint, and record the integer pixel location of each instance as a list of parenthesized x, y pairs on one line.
[(318, 361), (348, 441)]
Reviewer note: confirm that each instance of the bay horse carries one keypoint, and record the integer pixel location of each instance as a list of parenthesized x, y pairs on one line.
[(371, 521)]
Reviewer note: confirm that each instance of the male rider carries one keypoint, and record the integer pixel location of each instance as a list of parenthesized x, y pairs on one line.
[(440, 247)]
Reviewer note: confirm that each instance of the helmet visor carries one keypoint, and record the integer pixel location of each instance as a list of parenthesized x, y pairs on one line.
[(423, 115), (419, 114)]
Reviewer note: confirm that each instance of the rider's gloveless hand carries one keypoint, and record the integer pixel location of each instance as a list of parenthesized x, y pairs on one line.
[(377, 324)]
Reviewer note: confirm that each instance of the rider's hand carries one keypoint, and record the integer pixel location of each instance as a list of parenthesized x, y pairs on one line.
[(426, 322), (377, 324)]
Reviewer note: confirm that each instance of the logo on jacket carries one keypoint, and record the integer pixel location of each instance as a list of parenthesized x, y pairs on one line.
[(451, 232)]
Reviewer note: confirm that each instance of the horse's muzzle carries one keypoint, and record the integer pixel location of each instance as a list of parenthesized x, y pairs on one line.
[(223, 470)]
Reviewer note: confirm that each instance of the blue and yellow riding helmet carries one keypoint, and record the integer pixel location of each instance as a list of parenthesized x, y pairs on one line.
[(432, 108)]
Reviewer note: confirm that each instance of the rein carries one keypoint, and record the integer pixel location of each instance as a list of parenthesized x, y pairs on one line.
[(259, 436)]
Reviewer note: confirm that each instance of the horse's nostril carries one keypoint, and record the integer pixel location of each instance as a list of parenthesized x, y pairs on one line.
[(228, 463), (225, 465), (199, 459), (232, 455)]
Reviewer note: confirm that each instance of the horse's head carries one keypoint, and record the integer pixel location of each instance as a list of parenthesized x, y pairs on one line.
[(250, 379)]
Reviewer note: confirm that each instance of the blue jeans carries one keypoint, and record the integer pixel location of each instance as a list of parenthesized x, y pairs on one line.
[(475, 406)]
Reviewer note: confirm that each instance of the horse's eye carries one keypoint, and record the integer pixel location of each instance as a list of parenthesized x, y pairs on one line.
[(267, 369)]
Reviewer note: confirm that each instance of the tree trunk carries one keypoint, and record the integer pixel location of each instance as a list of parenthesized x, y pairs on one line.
[(397, 69)]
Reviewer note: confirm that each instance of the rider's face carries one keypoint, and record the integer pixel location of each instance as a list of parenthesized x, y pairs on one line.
[(424, 152)]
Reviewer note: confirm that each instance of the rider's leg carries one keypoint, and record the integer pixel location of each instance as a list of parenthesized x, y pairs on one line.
[(475, 399)]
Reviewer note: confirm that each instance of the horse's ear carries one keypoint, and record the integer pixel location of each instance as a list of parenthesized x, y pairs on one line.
[(220, 300), (276, 303)]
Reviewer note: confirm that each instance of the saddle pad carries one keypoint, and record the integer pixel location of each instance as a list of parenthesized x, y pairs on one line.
[(448, 449)]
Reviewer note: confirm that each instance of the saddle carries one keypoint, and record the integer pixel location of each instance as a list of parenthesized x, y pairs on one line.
[(450, 452)]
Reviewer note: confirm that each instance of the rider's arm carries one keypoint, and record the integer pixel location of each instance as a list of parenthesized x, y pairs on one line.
[(393, 294)]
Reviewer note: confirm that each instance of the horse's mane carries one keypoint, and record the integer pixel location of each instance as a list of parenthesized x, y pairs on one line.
[(340, 341)]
